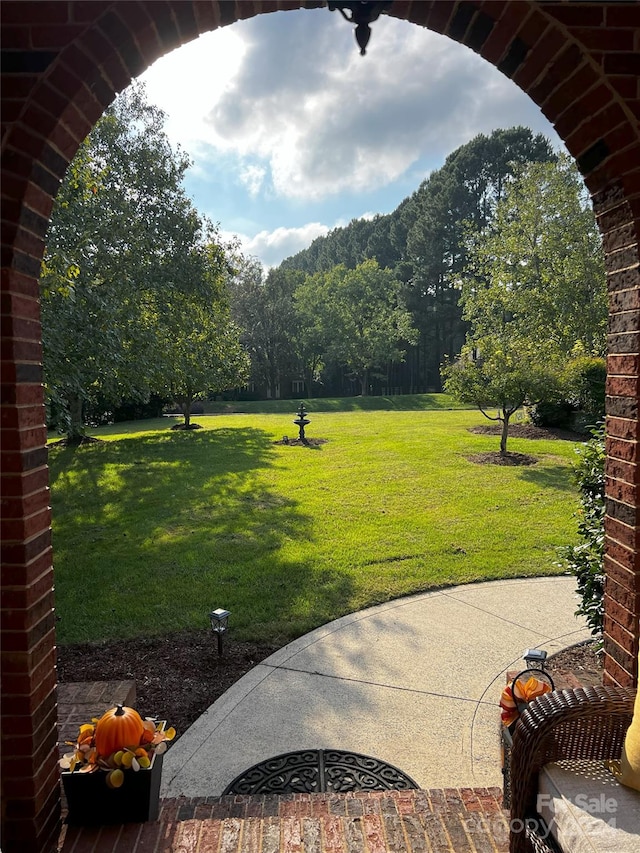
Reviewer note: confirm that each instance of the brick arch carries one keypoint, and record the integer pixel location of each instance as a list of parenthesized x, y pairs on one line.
[(63, 63)]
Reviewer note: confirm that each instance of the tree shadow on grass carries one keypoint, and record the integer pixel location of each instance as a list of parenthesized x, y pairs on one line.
[(550, 477), (153, 532)]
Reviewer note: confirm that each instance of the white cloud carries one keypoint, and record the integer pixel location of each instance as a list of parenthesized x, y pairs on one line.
[(290, 90), (271, 247), (253, 178), (289, 126), (187, 82)]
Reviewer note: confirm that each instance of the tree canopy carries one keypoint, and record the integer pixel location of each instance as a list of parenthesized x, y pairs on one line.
[(265, 311), (533, 293), (358, 316), (424, 241), (501, 234), (125, 249), (542, 257)]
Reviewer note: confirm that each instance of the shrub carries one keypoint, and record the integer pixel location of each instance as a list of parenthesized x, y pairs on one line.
[(137, 411), (585, 379), (101, 411), (551, 414), (580, 403), (586, 560)]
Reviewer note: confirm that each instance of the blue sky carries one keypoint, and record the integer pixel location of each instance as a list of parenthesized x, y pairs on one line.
[(292, 132)]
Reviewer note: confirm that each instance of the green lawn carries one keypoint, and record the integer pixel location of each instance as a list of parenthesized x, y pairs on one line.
[(402, 403), (154, 528)]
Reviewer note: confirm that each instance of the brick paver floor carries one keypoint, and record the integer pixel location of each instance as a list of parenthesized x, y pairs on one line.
[(468, 820)]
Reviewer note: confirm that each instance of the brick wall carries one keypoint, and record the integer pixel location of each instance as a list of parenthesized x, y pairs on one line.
[(29, 773), (63, 62)]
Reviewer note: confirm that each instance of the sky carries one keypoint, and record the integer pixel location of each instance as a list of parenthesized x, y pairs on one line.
[(292, 133)]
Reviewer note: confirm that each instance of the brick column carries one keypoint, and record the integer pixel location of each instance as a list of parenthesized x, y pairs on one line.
[(622, 540), (30, 775)]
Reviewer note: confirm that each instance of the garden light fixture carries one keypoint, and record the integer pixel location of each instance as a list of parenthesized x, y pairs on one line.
[(363, 13), (219, 624), (535, 658)]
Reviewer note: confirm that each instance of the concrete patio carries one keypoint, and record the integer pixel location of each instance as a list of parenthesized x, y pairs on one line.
[(414, 682)]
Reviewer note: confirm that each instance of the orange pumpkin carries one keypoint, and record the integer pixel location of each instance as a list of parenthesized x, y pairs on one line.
[(118, 728)]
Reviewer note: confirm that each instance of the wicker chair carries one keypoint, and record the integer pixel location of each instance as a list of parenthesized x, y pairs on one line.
[(588, 723)]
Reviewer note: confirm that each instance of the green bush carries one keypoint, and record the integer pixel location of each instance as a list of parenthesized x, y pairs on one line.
[(586, 560), (585, 379), (580, 402), (551, 414)]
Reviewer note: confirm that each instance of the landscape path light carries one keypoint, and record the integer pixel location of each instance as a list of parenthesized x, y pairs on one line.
[(535, 658), (219, 624)]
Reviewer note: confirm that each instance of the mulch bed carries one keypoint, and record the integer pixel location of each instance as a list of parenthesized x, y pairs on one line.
[(580, 664), (497, 458), (530, 431), (296, 442), (177, 676), (518, 431)]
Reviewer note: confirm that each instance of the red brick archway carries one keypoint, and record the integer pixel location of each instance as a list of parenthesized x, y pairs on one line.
[(62, 64)]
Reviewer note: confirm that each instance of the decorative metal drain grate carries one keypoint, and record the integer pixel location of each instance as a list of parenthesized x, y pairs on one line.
[(319, 770)]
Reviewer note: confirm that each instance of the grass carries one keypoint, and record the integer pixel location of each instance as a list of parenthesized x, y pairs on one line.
[(154, 528), (402, 403)]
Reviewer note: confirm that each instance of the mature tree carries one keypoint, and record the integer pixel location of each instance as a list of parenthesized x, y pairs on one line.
[(245, 288), (544, 253), (425, 241), (458, 199), (348, 245), (203, 354), (122, 231), (312, 341), (534, 294), (501, 378), (360, 316), (196, 347), (265, 311)]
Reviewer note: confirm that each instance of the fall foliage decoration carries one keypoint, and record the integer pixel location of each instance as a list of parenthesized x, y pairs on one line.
[(120, 740), (518, 694)]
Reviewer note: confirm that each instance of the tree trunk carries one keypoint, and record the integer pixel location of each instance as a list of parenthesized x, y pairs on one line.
[(308, 380), (75, 432), (365, 383), (186, 411), (505, 434), (274, 378)]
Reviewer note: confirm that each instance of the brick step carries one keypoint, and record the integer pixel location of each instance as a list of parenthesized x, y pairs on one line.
[(80, 701), (451, 820)]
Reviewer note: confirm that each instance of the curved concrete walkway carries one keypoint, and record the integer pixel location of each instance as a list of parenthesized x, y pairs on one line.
[(414, 682)]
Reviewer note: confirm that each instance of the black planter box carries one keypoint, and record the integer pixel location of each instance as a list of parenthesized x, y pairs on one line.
[(91, 801)]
